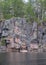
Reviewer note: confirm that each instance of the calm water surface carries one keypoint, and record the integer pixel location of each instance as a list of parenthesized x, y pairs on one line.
[(16, 58)]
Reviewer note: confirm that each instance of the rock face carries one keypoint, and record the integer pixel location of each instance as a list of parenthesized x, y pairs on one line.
[(18, 27)]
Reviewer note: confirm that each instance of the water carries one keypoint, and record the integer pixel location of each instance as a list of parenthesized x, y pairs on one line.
[(16, 58)]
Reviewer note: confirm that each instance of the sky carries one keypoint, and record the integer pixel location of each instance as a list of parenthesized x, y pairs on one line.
[(26, 0)]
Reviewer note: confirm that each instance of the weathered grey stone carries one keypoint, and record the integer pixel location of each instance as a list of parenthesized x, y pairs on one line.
[(19, 26)]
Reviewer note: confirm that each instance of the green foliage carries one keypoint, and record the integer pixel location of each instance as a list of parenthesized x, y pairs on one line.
[(44, 19), (3, 42), (7, 16), (18, 8)]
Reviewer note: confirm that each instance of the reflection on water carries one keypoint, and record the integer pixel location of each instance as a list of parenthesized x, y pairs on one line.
[(22, 58)]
